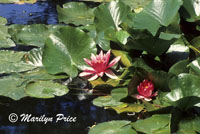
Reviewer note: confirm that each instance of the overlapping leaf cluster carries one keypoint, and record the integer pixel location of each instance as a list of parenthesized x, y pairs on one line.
[(157, 40)]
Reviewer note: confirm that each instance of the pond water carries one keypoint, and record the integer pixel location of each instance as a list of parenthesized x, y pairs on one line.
[(69, 105)]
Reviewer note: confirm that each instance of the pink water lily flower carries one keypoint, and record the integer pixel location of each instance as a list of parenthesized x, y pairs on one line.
[(145, 90), (99, 65)]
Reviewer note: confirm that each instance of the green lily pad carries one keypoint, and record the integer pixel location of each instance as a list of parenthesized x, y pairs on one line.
[(110, 14), (5, 41), (189, 126), (195, 66), (65, 49), (39, 74), (129, 108), (125, 58), (11, 61), (153, 124), (106, 101), (180, 67), (185, 90), (34, 35), (157, 13), (119, 93), (12, 87), (45, 89), (113, 127), (76, 13)]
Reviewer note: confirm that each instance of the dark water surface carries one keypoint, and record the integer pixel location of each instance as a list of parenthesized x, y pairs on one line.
[(69, 105)]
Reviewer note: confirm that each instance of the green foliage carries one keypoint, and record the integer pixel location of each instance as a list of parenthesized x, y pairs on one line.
[(156, 124), (113, 127), (5, 41), (76, 13), (155, 39), (64, 54), (45, 89)]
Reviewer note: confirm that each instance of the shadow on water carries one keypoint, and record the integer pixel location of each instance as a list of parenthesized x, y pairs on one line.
[(68, 105)]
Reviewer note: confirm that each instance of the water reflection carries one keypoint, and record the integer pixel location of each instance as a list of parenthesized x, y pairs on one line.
[(40, 12), (86, 113)]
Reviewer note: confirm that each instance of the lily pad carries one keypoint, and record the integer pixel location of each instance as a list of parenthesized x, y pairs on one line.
[(153, 124), (45, 89), (11, 61), (189, 126), (125, 58), (113, 127), (106, 101), (195, 66), (65, 49), (5, 41), (129, 108), (157, 14), (76, 13), (185, 90), (12, 87), (110, 14)]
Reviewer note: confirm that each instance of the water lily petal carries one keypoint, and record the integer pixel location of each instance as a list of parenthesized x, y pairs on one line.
[(101, 55), (88, 62), (147, 99), (107, 57), (137, 96), (93, 77), (100, 74), (93, 58), (110, 74), (82, 74), (114, 61), (155, 94)]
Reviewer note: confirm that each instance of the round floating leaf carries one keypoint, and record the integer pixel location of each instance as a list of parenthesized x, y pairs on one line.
[(106, 101), (5, 41), (149, 125), (125, 58), (45, 89), (12, 87), (157, 13), (183, 86), (33, 35), (119, 93), (110, 15), (39, 74), (34, 57), (189, 126), (180, 67), (113, 127), (76, 13), (185, 90), (195, 66), (129, 108), (65, 49), (11, 61)]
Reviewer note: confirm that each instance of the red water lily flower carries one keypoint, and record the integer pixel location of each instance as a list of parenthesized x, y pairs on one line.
[(99, 65), (145, 90)]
